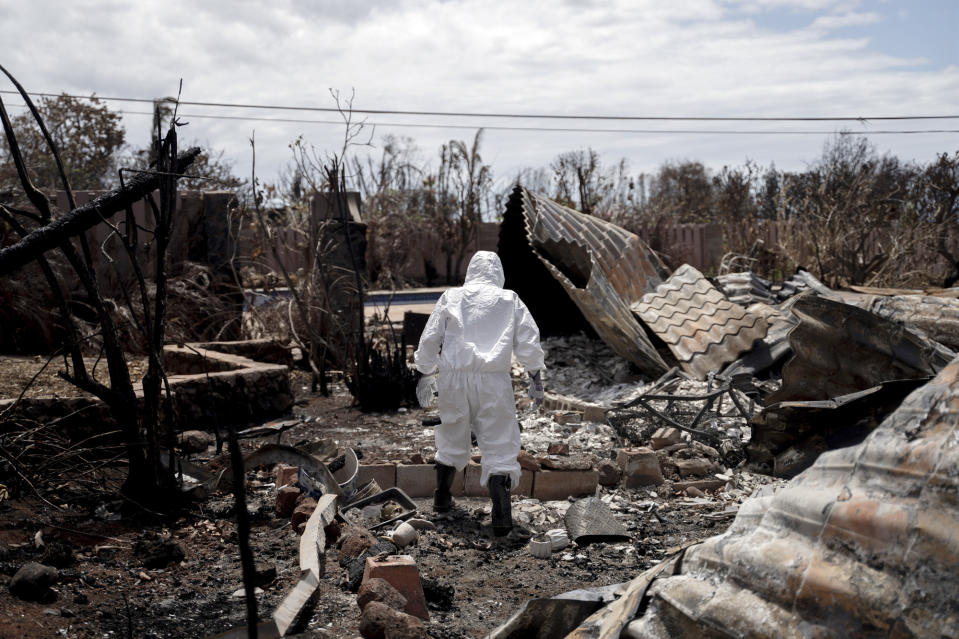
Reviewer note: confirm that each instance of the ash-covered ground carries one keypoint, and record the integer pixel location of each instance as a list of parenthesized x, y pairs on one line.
[(114, 580)]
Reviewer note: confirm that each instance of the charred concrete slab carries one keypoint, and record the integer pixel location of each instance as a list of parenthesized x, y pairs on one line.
[(601, 267)]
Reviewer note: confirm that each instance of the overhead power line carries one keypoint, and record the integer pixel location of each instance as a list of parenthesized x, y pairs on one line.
[(540, 116), (545, 129)]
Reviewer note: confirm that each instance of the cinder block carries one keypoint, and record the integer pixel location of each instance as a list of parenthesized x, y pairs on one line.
[(286, 475), (568, 417), (473, 488), (560, 484), (640, 467), (594, 414), (401, 573), (384, 474), (419, 480)]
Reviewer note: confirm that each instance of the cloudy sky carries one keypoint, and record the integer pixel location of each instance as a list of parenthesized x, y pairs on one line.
[(678, 58)]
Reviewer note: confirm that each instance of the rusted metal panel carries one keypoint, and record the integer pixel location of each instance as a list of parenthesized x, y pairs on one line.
[(702, 328), (746, 288), (841, 349), (934, 291), (602, 267), (788, 437), (861, 544), (936, 316)]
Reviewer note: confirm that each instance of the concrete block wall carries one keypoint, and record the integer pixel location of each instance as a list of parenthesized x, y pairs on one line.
[(419, 480), (209, 389)]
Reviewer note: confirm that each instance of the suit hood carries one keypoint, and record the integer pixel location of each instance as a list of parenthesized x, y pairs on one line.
[(485, 268)]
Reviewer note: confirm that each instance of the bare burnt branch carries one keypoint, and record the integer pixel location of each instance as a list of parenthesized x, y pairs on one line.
[(85, 216)]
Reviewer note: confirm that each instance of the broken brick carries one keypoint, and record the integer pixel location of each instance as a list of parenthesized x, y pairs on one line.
[(640, 467), (697, 466), (608, 473), (401, 572), (376, 589), (286, 497), (356, 540), (558, 448), (286, 475), (302, 512), (701, 484), (568, 417), (664, 437), (379, 621), (527, 461)]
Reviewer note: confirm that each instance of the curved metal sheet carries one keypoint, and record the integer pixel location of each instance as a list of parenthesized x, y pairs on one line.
[(862, 544), (589, 520), (602, 267), (840, 349)]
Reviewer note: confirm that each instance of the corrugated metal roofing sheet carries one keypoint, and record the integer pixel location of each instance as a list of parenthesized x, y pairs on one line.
[(702, 328), (602, 267), (841, 349), (937, 317), (862, 544)]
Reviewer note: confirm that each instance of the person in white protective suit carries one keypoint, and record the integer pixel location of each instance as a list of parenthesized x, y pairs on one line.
[(469, 341)]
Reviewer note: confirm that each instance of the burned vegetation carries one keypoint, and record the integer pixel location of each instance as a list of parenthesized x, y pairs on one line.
[(208, 422)]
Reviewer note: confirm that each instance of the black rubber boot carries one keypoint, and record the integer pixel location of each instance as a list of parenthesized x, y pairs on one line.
[(502, 514), (442, 497)]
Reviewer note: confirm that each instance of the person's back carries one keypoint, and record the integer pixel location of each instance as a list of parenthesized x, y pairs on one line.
[(469, 340)]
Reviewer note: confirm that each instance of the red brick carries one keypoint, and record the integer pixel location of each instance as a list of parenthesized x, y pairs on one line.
[(401, 572), (560, 484), (473, 488), (286, 475), (302, 512), (286, 497), (558, 448), (384, 474)]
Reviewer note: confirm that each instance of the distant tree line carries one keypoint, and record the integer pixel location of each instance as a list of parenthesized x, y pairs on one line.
[(852, 216)]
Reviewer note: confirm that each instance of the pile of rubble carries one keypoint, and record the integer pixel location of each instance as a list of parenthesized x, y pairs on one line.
[(763, 378)]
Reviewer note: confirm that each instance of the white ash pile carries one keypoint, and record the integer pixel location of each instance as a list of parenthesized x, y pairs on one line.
[(587, 369)]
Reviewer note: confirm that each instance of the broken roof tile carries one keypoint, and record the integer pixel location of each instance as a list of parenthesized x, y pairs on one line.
[(702, 328)]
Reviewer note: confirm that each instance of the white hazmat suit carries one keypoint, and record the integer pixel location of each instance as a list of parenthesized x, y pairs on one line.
[(469, 340)]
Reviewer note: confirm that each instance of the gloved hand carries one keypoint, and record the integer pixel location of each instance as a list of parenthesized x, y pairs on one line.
[(426, 390), (536, 388)]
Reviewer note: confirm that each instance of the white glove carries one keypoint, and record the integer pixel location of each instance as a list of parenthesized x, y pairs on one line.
[(426, 390), (535, 391)]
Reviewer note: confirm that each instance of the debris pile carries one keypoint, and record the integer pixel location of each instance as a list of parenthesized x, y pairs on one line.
[(793, 381)]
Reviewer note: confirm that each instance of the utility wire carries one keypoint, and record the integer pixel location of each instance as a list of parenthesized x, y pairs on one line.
[(544, 129), (542, 116)]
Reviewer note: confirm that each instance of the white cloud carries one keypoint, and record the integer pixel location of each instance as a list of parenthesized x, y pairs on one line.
[(701, 57)]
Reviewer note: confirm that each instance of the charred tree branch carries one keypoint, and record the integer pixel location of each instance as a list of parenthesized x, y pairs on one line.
[(85, 216)]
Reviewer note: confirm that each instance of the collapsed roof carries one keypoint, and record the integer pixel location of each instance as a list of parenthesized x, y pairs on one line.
[(601, 267), (861, 544)]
